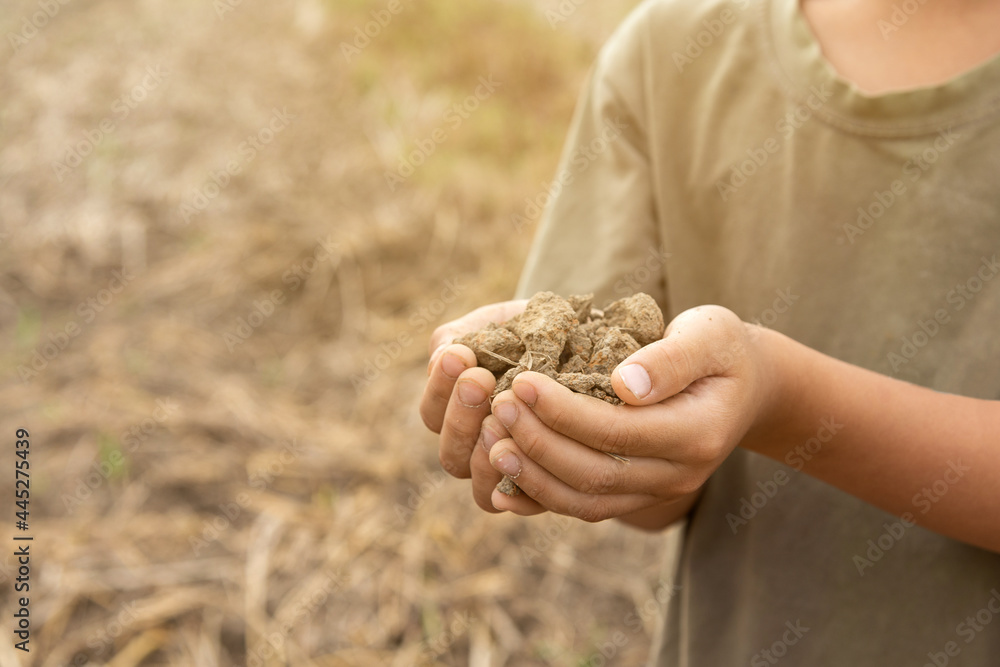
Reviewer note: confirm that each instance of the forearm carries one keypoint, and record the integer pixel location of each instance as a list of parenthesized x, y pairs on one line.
[(929, 457)]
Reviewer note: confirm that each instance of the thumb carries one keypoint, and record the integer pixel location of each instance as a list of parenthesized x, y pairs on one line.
[(700, 342)]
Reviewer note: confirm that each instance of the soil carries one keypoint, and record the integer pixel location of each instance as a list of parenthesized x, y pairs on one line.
[(568, 340)]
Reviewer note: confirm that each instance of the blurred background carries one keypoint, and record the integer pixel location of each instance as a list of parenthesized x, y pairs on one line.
[(227, 230)]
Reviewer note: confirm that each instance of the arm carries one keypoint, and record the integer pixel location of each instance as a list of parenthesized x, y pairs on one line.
[(714, 383), (928, 457)]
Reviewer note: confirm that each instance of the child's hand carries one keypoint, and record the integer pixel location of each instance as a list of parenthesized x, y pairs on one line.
[(704, 387), (456, 401)]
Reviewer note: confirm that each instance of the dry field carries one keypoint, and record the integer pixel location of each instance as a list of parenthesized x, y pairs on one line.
[(215, 307)]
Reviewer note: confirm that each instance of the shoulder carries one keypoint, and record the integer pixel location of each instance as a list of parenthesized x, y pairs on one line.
[(677, 30)]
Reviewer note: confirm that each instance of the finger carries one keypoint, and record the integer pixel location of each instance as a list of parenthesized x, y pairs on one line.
[(584, 468), (699, 342), (437, 393), (677, 429), (552, 494), (492, 432), (473, 321), (463, 419), (484, 481)]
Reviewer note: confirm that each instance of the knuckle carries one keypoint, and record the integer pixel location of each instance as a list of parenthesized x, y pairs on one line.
[(453, 466), (687, 483), (557, 416), (600, 479), (535, 489), (712, 446), (463, 427), (620, 436), (532, 444), (703, 453), (593, 511), (677, 361)]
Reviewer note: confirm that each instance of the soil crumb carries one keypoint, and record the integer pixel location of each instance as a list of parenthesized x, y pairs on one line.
[(568, 340)]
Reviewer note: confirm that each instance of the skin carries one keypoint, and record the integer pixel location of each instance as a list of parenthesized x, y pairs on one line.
[(717, 383), (938, 41), (713, 383)]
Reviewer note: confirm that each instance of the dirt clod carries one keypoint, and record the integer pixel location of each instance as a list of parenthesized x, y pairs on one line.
[(568, 340), (496, 348)]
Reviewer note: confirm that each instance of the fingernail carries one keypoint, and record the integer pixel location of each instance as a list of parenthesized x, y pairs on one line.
[(470, 394), (506, 412), (636, 379), (489, 438), (526, 392), (507, 463), (452, 365)]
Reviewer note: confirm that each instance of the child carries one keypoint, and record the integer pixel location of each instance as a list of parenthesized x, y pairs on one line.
[(827, 170)]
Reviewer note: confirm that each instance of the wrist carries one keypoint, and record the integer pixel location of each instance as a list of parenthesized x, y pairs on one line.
[(775, 391)]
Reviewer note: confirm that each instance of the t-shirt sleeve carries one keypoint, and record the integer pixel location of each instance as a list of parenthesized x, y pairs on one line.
[(599, 232)]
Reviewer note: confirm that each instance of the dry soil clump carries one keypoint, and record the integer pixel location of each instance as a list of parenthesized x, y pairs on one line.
[(569, 340)]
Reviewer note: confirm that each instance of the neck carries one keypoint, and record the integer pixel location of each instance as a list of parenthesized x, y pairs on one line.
[(880, 45)]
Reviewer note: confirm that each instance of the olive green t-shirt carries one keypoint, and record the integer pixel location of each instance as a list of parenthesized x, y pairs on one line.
[(715, 157)]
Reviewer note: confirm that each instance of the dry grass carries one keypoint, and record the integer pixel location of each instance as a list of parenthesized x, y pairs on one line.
[(200, 505)]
